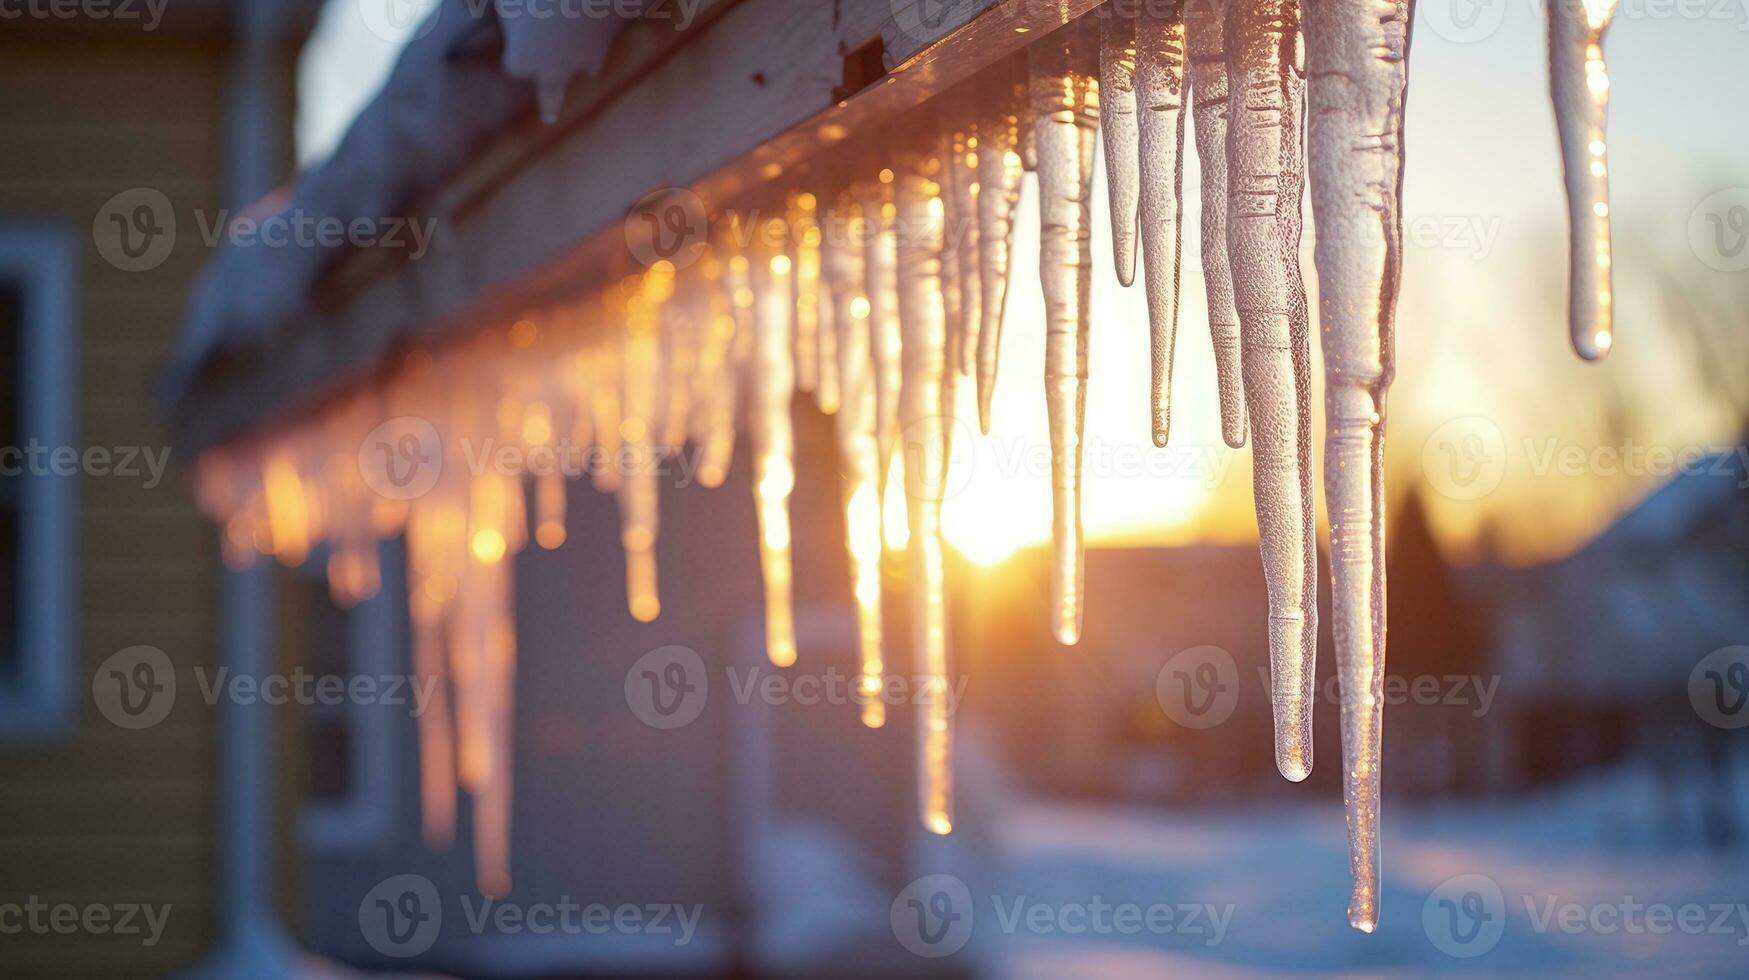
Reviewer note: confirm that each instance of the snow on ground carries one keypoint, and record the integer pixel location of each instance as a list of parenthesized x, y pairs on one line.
[(1574, 882)]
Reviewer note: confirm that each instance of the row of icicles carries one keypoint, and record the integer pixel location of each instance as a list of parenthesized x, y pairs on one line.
[(853, 290)]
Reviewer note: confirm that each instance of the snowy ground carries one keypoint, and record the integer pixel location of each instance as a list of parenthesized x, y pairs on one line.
[(1597, 880)]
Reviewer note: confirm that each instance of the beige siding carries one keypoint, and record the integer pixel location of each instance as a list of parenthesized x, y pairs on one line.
[(115, 816)]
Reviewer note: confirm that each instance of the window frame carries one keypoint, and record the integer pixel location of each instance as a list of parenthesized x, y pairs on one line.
[(365, 819), (38, 705)]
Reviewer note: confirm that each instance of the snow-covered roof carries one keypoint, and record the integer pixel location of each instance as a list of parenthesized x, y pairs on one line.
[(466, 75)]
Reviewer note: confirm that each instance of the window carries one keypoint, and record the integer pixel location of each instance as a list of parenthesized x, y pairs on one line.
[(352, 742), (38, 337)]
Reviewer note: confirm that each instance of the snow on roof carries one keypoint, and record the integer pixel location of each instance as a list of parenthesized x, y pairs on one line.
[(469, 72)]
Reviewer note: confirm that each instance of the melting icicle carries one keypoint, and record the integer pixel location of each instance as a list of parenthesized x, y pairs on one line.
[(773, 438), (1264, 172), (924, 320), (1117, 116), (1160, 94), (858, 454), (999, 179), (1357, 55), (963, 240), (640, 487), (1065, 109), (881, 257), (1579, 82), (1205, 36), (829, 394), (804, 246)]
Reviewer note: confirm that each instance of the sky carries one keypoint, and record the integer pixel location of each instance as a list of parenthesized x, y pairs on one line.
[(1481, 331)]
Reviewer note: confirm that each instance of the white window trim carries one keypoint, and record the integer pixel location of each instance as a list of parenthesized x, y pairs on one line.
[(366, 818), (40, 705)]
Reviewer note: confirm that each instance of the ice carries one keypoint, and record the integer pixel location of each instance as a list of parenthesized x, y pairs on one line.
[(881, 258), (1266, 73), (773, 380), (964, 190), (1160, 69), (1205, 36), (999, 179), (1357, 62), (804, 253), (923, 318), (1579, 83), (1065, 113), (1120, 132), (859, 456)]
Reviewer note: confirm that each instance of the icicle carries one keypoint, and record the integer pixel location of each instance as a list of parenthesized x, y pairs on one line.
[(1065, 108), (923, 319), (719, 376), (828, 394), (1579, 82), (858, 454), (1265, 177), (1205, 36), (881, 256), (804, 250), (1117, 96), (773, 437), (999, 180), (1160, 93), (640, 486), (963, 240), (549, 500), (1358, 54), (430, 587), (605, 407)]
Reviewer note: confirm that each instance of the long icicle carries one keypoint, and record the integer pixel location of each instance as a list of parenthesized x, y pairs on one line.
[(1205, 35), (963, 240), (1357, 54), (773, 436), (640, 487), (1160, 97), (1065, 109), (922, 317), (1120, 131), (999, 181), (881, 258), (1264, 172), (1579, 82), (804, 251), (843, 265)]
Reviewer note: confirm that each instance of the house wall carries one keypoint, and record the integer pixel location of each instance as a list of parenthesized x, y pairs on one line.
[(107, 815)]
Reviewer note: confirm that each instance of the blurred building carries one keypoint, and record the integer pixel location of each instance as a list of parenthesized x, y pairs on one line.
[(108, 553)]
